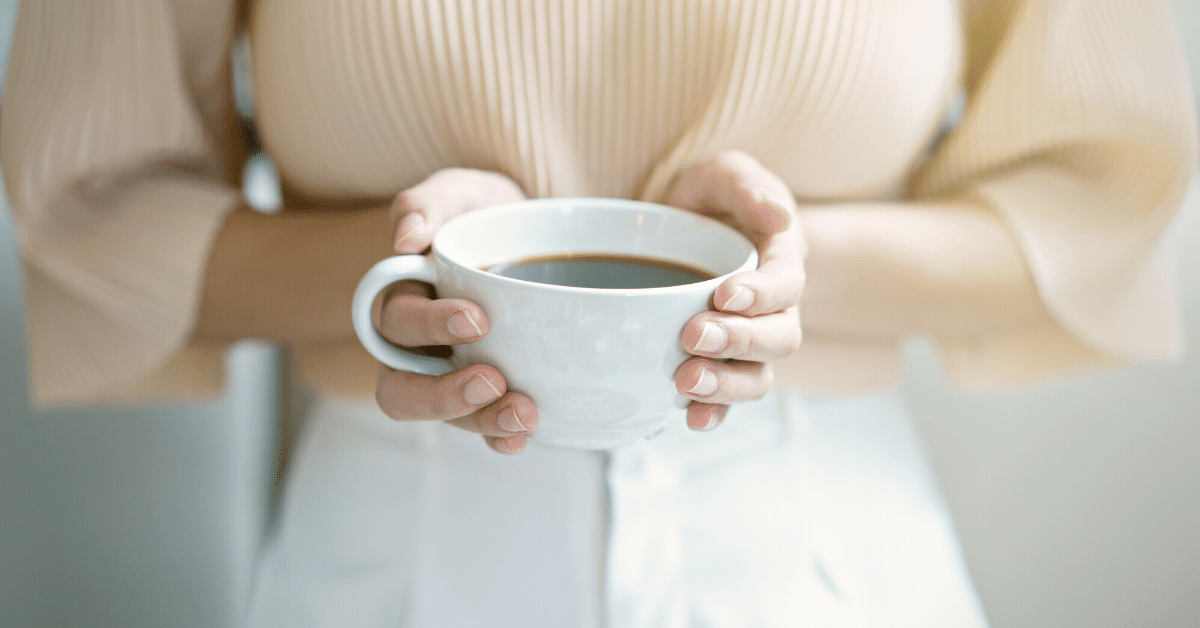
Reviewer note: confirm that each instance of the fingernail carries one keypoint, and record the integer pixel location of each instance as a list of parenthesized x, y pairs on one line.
[(713, 419), (712, 338), (707, 384), (510, 421), (741, 299), (462, 325), (410, 225), (479, 391)]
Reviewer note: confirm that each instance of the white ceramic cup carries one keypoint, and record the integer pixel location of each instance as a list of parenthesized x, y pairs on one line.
[(599, 363)]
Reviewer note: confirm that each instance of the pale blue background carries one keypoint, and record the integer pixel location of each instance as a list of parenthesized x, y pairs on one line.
[(1078, 504)]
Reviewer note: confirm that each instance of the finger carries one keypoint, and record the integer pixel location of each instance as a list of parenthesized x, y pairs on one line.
[(701, 379), (774, 287), (705, 416), (777, 283), (415, 320), (419, 211), (408, 396), (735, 184), (509, 445), (758, 339), (514, 413)]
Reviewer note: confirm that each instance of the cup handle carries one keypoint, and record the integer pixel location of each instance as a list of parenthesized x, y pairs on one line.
[(382, 275)]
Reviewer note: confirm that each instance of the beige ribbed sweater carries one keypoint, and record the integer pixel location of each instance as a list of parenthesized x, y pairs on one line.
[(120, 155)]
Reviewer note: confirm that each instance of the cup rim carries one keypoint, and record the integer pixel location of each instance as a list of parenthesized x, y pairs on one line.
[(750, 263)]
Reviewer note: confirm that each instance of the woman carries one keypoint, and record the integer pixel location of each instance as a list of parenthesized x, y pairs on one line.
[(1025, 241)]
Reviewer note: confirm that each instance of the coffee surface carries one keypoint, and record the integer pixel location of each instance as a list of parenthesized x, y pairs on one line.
[(601, 271)]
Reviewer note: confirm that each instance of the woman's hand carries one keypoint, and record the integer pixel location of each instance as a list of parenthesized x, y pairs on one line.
[(757, 317), (474, 398)]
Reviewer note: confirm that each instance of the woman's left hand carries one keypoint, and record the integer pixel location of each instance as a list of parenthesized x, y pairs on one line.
[(757, 315)]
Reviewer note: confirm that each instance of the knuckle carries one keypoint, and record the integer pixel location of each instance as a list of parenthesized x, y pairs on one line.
[(443, 403), (432, 325), (388, 398), (395, 319), (792, 340), (406, 202), (741, 342), (419, 398), (800, 275), (446, 177), (766, 378), (798, 282), (486, 421), (391, 317), (381, 396), (498, 182)]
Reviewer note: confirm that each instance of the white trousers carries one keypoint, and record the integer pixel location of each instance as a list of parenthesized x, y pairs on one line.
[(793, 513)]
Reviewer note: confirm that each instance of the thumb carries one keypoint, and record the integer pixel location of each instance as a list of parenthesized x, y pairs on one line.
[(421, 210), (735, 185)]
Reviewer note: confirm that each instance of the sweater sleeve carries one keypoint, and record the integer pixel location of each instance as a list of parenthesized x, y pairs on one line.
[(120, 155), (1079, 135)]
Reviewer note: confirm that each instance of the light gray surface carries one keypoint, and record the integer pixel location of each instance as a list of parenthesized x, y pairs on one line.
[(1078, 503), (127, 518)]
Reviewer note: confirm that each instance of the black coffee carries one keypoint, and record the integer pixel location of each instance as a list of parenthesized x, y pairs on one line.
[(601, 271)]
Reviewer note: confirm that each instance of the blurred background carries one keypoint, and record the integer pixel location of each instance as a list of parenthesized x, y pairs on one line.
[(1077, 503)]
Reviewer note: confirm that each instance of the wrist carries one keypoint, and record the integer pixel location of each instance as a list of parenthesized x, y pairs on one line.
[(289, 277)]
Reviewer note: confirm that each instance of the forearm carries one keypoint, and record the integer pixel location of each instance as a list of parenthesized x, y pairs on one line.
[(289, 277), (885, 270)]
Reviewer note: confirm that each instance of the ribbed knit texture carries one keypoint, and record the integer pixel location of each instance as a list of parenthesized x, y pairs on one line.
[(601, 98), (116, 118)]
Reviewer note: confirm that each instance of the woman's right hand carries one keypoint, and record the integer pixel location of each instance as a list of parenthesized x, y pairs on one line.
[(475, 398)]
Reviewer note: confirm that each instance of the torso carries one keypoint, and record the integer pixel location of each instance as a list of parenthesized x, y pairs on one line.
[(601, 98)]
